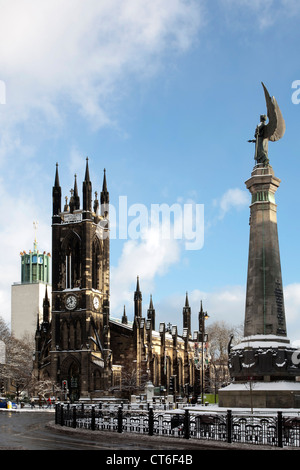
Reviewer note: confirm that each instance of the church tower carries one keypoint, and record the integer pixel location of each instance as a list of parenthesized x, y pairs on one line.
[(80, 351)]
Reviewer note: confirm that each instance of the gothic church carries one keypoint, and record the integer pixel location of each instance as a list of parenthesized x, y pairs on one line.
[(78, 345)]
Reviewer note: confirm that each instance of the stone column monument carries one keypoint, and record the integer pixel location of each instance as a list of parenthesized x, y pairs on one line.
[(264, 366)]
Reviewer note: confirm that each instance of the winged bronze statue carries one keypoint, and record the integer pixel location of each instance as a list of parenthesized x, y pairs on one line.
[(272, 131)]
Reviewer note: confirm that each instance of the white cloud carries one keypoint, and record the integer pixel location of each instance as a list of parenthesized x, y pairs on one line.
[(147, 258), (233, 198), (292, 302), (17, 234), (224, 304), (85, 54), (157, 239), (72, 57)]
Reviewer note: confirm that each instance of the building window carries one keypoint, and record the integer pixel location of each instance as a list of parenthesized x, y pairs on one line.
[(96, 265), (72, 262)]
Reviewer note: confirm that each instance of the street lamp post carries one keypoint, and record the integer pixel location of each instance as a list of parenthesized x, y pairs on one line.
[(203, 338)]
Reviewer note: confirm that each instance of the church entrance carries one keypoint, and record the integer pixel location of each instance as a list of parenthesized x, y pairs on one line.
[(71, 379)]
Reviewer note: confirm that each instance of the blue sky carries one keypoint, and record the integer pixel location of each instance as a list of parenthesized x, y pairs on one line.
[(164, 94)]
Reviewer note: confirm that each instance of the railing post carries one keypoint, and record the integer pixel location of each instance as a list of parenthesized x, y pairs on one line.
[(56, 412), (229, 426), (93, 419), (61, 415), (151, 421), (279, 429), (186, 424), (120, 419), (74, 417)]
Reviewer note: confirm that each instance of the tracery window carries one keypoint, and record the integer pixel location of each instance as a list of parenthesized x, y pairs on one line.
[(72, 260), (96, 265)]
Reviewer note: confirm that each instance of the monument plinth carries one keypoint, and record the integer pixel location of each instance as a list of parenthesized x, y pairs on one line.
[(262, 366)]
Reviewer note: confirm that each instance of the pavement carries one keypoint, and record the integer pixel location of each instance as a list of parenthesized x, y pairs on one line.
[(157, 442), (29, 408)]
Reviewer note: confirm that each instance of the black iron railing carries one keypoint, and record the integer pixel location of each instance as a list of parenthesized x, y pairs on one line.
[(275, 430)]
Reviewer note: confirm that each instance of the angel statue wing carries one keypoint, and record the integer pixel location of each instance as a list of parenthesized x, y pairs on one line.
[(275, 128), (264, 132)]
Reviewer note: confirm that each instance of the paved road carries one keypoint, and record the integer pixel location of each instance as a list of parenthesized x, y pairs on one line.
[(35, 430)]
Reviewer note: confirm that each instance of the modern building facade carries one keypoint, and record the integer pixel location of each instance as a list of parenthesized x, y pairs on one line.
[(27, 296)]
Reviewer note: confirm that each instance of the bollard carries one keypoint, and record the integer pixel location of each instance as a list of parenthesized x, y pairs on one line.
[(74, 417), (279, 429), (186, 424), (120, 419), (151, 421), (93, 421), (229, 426)]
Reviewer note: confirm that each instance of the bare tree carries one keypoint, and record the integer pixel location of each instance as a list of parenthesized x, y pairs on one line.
[(129, 382), (219, 336), (16, 372), (45, 388), (4, 331)]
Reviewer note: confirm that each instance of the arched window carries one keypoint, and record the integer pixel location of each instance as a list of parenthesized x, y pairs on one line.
[(154, 371), (65, 335), (72, 258), (98, 382), (180, 373), (72, 336), (96, 264), (78, 341)]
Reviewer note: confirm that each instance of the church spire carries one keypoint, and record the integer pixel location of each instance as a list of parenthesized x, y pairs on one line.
[(138, 299), (151, 313), (186, 313), (138, 284), (74, 200), (56, 195), (104, 197), (87, 189), (46, 307), (87, 171), (151, 303), (56, 182), (124, 317), (76, 196), (104, 186)]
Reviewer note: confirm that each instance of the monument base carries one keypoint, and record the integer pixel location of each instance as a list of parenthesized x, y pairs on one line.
[(255, 394), (266, 358)]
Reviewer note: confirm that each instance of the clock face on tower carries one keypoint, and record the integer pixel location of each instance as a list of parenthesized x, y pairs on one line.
[(96, 302), (71, 302)]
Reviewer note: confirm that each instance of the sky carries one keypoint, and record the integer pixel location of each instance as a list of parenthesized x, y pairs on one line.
[(163, 94)]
